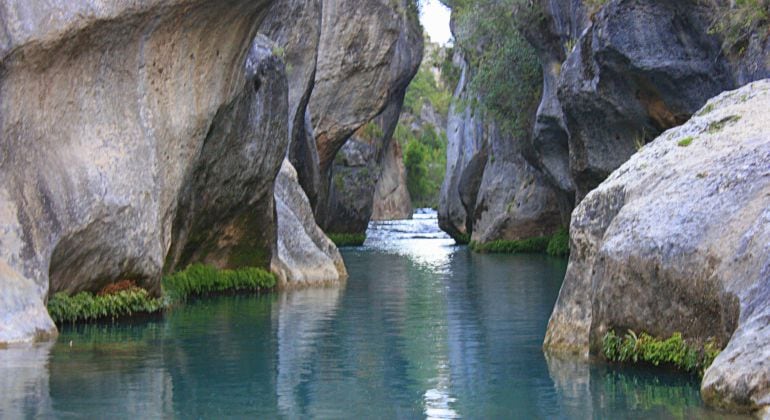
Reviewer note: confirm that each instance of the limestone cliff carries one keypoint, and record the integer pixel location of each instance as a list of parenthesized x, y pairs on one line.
[(677, 240), (125, 127), (615, 75), (391, 196)]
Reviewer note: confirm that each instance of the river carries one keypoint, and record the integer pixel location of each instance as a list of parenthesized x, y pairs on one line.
[(422, 329)]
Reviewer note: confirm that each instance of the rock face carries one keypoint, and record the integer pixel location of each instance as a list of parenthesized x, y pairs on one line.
[(466, 161), (622, 87), (369, 51), (491, 191), (678, 240), (391, 197), (612, 83), (124, 127), (305, 256)]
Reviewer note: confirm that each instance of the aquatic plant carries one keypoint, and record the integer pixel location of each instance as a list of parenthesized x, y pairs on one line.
[(200, 280), (86, 306), (462, 239), (673, 351), (347, 239), (558, 245), (530, 245)]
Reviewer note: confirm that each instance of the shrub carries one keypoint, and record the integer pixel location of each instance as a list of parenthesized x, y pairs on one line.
[(347, 239), (505, 77), (673, 351), (201, 280), (86, 306), (738, 21)]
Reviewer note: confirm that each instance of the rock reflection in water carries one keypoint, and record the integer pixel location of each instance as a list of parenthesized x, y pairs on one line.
[(24, 381)]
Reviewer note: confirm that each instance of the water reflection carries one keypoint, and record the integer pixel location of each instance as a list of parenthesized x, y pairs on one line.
[(422, 329), (601, 391), (24, 381), (301, 317)]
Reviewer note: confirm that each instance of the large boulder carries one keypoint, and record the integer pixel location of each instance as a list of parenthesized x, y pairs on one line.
[(116, 116), (678, 240), (305, 256)]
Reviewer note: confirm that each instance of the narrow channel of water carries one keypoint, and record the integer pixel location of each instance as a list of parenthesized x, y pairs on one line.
[(423, 328)]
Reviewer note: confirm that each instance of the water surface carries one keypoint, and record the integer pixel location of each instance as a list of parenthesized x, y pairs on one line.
[(422, 329)]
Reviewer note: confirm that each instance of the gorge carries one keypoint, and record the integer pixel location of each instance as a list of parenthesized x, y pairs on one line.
[(140, 137)]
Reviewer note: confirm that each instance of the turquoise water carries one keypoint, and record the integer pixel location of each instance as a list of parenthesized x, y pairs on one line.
[(422, 329)]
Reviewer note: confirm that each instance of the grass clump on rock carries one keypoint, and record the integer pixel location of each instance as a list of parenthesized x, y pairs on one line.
[(673, 351), (201, 280), (685, 141), (556, 245), (85, 306), (347, 239), (124, 298), (526, 246)]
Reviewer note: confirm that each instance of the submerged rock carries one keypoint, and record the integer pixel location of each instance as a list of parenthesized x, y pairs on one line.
[(678, 240), (129, 129)]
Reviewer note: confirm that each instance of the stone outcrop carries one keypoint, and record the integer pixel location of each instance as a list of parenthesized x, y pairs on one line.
[(491, 191), (391, 197), (466, 161), (361, 78), (305, 256), (678, 240), (125, 127), (614, 77), (369, 51)]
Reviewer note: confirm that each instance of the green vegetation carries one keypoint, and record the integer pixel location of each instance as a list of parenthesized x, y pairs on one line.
[(425, 163), (556, 245), (125, 298), (424, 88), (737, 23), (347, 239), (463, 239), (673, 351), (506, 76), (200, 280), (86, 306), (717, 126), (685, 141), (526, 246)]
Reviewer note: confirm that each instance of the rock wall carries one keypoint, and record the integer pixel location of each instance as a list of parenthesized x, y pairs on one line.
[(491, 191), (614, 77), (391, 197), (117, 118), (677, 240), (362, 80)]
